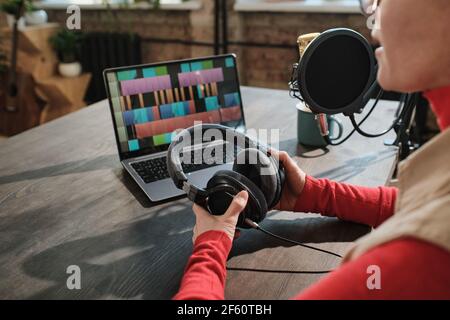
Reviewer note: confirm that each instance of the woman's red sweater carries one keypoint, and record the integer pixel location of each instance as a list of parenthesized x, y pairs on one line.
[(410, 268)]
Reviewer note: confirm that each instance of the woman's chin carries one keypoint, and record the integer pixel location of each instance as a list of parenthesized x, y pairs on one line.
[(396, 78), (389, 84), (382, 76), (384, 79)]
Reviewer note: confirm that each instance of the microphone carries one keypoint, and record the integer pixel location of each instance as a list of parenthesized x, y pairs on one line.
[(336, 72), (304, 40)]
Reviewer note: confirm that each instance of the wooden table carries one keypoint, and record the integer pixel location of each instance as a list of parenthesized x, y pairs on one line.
[(65, 200)]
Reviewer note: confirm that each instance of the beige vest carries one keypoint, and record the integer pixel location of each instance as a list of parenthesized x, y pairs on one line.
[(422, 209)]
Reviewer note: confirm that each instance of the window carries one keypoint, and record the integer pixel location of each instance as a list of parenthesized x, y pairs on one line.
[(332, 6), (165, 4)]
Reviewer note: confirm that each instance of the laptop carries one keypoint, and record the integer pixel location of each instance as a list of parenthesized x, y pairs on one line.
[(149, 102)]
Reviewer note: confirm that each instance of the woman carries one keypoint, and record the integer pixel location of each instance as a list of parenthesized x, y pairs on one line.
[(411, 242)]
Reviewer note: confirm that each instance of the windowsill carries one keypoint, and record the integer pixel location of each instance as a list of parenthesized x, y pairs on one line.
[(99, 4), (318, 6)]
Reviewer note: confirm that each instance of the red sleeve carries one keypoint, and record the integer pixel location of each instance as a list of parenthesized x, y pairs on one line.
[(409, 269), (205, 273), (371, 206)]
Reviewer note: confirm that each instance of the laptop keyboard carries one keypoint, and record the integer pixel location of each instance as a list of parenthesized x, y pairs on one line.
[(156, 169)]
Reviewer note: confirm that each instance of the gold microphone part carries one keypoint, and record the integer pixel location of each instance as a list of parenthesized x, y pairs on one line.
[(304, 40)]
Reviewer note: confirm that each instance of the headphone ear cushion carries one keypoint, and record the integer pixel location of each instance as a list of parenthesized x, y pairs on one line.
[(218, 202), (282, 176), (252, 163), (278, 167)]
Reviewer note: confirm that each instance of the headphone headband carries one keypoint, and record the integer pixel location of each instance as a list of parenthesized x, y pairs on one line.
[(189, 137)]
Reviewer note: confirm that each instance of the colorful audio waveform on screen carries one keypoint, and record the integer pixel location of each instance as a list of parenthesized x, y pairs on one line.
[(150, 103)]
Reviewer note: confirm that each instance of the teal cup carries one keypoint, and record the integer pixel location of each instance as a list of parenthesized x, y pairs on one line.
[(308, 132)]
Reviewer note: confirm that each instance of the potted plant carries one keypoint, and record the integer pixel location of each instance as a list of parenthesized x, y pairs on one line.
[(34, 16), (66, 43), (12, 9)]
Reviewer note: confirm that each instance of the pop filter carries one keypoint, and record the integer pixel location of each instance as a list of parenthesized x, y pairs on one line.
[(337, 72)]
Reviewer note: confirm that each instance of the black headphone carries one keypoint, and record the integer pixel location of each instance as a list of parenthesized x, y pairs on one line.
[(264, 190)]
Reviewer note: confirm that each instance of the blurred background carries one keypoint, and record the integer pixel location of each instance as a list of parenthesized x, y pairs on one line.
[(60, 70)]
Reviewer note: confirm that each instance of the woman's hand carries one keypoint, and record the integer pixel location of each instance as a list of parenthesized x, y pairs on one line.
[(295, 179), (226, 222)]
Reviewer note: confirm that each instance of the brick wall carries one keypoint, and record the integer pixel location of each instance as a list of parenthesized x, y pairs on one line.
[(264, 66), (168, 25), (271, 67)]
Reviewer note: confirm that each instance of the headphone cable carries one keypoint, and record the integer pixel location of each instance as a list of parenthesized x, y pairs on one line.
[(256, 226), (407, 104), (377, 99), (278, 271)]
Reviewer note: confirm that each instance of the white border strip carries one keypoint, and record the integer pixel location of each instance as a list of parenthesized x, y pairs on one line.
[(63, 4), (318, 6)]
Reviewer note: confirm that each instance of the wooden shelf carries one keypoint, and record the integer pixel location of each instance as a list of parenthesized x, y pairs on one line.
[(35, 55), (62, 95), (47, 95), (34, 39)]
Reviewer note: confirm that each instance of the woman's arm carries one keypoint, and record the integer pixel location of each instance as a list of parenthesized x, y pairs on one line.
[(408, 269), (205, 273), (303, 193), (371, 206)]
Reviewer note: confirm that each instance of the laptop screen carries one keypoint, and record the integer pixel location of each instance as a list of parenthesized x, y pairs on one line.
[(149, 102)]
